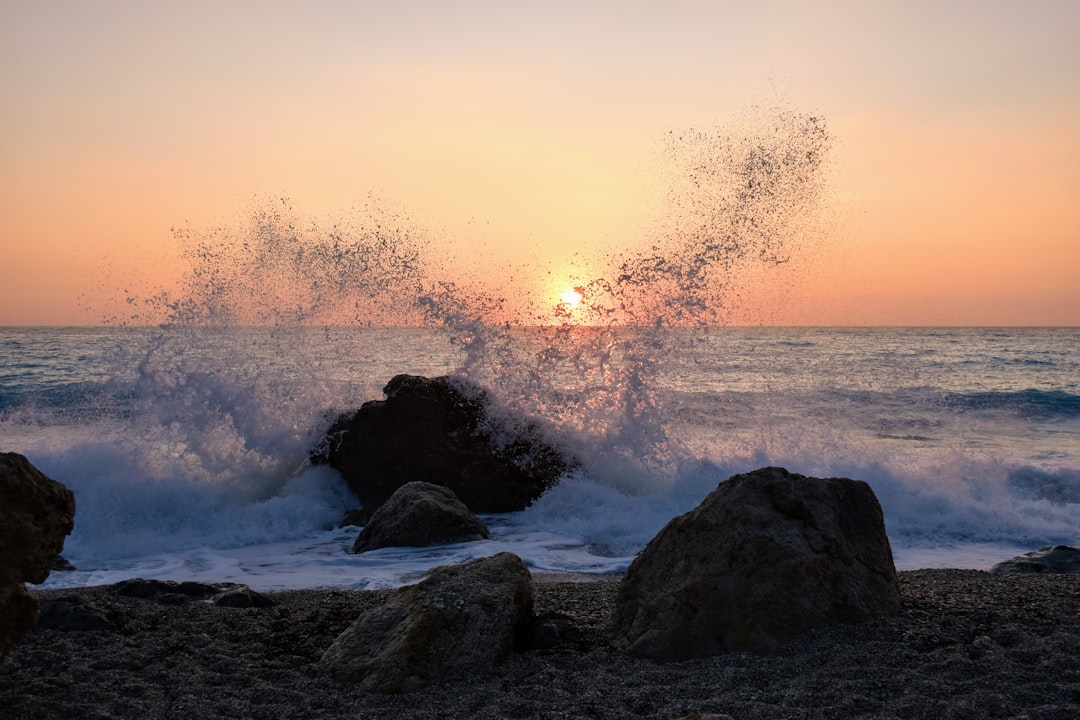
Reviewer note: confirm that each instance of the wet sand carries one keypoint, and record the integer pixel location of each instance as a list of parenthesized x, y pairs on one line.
[(967, 644)]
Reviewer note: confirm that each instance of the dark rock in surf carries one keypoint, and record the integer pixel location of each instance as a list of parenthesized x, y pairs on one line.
[(765, 556), (1049, 559), (36, 514), (459, 621), (419, 514), (445, 432)]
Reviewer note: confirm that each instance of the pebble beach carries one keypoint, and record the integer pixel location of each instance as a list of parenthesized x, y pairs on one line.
[(967, 644)]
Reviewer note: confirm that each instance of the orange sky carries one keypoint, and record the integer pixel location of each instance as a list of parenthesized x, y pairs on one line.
[(526, 135)]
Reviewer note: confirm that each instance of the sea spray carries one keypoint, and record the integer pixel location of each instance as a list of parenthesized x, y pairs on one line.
[(285, 319), (737, 197), (365, 266), (963, 483)]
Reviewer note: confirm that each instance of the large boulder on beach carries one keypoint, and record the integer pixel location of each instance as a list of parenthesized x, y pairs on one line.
[(459, 621), (443, 431), (766, 556), (419, 514), (36, 514), (1049, 559)]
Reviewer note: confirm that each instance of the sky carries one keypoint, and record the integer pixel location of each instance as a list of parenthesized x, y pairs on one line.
[(527, 134)]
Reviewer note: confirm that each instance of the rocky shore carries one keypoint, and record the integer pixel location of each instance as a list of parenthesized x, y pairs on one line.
[(966, 644)]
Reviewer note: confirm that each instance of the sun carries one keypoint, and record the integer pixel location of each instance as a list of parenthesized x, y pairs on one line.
[(571, 297)]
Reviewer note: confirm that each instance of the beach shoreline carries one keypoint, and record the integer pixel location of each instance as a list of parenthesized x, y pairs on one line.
[(967, 643)]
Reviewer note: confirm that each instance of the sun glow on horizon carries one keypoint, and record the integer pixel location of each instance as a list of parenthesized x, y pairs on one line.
[(527, 178), (571, 297)]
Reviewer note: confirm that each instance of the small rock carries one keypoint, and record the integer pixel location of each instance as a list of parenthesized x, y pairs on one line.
[(419, 514), (459, 621), (170, 592), (549, 630), (241, 596), (74, 613), (1049, 559)]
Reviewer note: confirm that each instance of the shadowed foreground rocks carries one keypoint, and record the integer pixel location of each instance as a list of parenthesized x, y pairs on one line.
[(36, 514), (170, 592), (766, 556), (441, 431), (966, 644), (1049, 559), (459, 621), (76, 612)]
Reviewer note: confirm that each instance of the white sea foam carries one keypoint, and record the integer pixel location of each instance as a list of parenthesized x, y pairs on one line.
[(957, 512)]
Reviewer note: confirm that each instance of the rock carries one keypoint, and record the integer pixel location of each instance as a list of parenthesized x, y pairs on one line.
[(61, 564), (445, 432), (549, 630), (357, 517), (1049, 559), (459, 621), (170, 592), (767, 555), (74, 613), (36, 514), (419, 514), (241, 596)]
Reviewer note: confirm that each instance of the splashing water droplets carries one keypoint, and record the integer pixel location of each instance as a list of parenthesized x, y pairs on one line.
[(735, 199)]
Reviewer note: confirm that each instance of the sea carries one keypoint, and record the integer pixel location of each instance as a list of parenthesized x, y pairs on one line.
[(187, 446), (184, 421)]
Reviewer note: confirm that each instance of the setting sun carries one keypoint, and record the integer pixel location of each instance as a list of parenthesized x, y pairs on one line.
[(572, 297), (468, 135)]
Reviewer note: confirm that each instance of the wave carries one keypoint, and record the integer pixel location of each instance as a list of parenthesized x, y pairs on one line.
[(71, 402), (203, 423), (1058, 487), (1031, 403), (133, 506)]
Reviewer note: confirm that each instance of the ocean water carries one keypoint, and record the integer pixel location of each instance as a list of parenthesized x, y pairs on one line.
[(186, 446), (183, 425)]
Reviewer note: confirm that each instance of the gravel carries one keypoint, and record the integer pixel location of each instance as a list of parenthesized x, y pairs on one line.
[(967, 644)]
